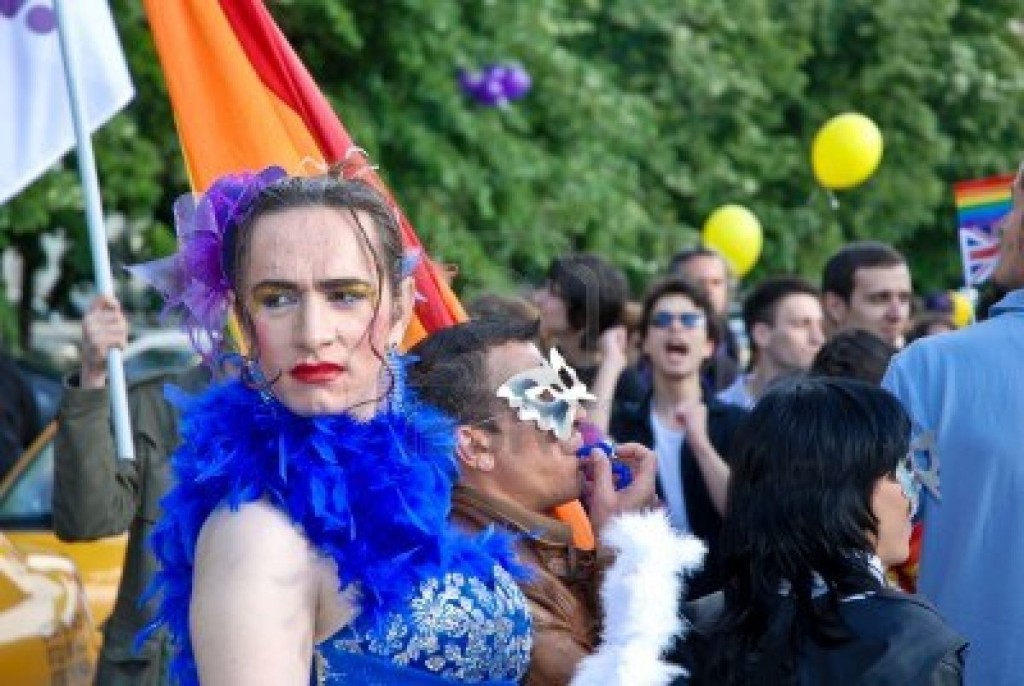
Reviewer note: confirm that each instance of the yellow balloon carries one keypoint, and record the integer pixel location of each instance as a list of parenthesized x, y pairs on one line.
[(734, 231), (846, 151), (963, 310)]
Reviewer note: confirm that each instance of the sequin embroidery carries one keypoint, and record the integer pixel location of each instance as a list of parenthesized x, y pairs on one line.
[(456, 627)]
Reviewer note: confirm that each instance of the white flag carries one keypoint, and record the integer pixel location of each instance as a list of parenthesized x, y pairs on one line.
[(35, 117)]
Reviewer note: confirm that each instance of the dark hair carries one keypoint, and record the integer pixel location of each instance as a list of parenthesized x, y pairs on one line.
[(677, 285), (594, 292), (327, 190), (762, 304), (450, 371), (679, 260), (841, 268), (806, 463), (495, 306), (854, 354)]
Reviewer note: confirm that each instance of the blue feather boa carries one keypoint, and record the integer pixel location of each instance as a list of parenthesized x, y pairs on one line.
[(372, 495)]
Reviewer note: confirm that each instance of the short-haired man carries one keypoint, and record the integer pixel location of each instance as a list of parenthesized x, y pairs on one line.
[(513, 472), (866, 285), (784, 324), (709, 269), (964, 392), (689, 432)]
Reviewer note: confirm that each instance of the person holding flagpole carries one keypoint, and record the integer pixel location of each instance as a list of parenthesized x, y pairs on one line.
[(95, 494)]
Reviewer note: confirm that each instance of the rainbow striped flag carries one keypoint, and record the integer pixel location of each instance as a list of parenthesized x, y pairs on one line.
[(980, 205)]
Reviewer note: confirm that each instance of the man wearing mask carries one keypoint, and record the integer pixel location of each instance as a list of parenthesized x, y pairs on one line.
[(518, 460)]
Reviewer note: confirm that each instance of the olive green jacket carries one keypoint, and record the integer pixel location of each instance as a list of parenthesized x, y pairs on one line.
[(96, 495)]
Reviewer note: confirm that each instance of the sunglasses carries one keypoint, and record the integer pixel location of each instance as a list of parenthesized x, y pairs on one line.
[(689, 320)]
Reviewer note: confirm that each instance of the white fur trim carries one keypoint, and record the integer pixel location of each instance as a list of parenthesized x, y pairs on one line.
[(640, 596)]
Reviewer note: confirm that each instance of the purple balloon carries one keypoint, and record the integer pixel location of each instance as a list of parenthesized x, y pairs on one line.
[(516, 81), (470, 81), (492, 94), (496, 84)]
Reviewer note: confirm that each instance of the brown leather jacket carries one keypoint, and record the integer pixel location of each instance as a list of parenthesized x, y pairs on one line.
[(562, 595)]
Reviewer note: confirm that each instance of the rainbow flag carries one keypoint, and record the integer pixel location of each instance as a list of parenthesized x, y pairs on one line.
[(980, 205), (242, 99)]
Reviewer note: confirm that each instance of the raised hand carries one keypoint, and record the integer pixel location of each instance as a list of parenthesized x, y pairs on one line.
[(103, 327)]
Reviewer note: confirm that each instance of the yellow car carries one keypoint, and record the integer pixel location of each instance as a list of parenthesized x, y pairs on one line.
[(46, 631), (54, 596)]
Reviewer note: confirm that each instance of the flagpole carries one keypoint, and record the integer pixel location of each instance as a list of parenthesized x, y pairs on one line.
[(969, 291), (97, 233)]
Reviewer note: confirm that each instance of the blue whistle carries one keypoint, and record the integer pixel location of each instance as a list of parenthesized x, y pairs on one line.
[(622, 475)]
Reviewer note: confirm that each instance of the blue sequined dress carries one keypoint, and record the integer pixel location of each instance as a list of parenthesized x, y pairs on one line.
[(457, 629), (436, 606)]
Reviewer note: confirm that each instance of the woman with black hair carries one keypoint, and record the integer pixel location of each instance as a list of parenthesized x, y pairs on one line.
[(819, 504)]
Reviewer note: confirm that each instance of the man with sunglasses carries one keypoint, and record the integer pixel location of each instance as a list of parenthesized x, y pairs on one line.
[(964, 392), (517, 442), (708, 268), (691, 433)]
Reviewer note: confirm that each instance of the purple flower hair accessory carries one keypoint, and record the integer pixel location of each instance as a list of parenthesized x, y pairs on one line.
[(194, 281)]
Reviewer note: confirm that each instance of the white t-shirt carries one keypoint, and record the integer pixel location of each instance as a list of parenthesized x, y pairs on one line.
[(668, 444)]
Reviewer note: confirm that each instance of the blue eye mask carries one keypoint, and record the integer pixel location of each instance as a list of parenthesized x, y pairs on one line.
[(908, 483), (549, 395), (920, 468)]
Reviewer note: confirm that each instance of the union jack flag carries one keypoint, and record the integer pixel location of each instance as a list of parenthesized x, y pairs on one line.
[(981, 205), (979, 248)]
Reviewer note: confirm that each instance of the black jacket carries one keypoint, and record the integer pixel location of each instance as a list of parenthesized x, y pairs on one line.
[(631, 422), (896, 639)]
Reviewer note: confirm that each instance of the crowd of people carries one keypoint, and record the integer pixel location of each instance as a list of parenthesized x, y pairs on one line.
[(321, 507)]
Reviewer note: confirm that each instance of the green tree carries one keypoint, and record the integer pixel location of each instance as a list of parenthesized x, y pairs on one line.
[(644, 116)]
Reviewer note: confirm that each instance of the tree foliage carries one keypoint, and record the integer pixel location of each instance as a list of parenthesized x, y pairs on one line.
[(642, 119)]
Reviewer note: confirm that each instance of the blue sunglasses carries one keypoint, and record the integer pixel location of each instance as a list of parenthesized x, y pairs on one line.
[(689, 320)]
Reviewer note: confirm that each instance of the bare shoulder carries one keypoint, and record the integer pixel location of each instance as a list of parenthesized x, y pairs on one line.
[(256, 591), (257, 530)]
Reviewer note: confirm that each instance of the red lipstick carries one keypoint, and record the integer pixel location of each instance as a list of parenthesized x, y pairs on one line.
[(316, 373)]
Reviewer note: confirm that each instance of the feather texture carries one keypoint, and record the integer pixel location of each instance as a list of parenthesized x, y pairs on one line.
[(374, 496), (640, 597)]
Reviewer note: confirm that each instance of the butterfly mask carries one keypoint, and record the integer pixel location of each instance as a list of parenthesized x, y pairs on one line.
[(549, 395)]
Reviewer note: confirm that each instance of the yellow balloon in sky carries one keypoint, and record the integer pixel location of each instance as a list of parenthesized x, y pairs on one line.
[(846, 151), (734, 231), (963, 310)]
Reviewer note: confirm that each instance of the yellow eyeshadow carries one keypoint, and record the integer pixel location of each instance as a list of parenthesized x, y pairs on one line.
[(261, 292), (358, 290)]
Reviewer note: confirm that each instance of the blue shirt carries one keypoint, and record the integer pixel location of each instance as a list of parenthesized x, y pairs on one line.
[(968, 388)]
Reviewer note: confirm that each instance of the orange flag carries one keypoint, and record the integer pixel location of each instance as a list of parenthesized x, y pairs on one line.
[(243, 100)]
